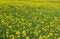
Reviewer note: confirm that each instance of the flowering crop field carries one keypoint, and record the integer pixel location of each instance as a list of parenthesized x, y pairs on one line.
[(29, 20)]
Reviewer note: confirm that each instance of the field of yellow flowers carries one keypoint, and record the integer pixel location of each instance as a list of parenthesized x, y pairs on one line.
[(29, 20)]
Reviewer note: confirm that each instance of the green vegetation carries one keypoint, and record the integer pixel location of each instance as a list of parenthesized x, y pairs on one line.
[(28, 22)]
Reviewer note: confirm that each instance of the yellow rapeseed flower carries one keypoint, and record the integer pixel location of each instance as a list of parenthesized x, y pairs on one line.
[(9, 27), (13, 38), (58, 37), (40, 37), (50, 34), (27, 37), (30, 23), (36, 33), (24, 33), (37, 26), (18, 32), (2, 20), (42, 22)]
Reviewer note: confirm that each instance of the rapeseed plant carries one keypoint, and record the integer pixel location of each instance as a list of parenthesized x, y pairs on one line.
[(24, 21)]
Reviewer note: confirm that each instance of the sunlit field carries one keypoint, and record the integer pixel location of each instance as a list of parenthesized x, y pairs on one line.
[(29, 20)]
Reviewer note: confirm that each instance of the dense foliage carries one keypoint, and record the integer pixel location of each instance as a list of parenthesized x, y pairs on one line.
[(28, 22)]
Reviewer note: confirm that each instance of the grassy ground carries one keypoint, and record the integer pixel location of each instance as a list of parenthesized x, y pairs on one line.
[(29, 20)]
